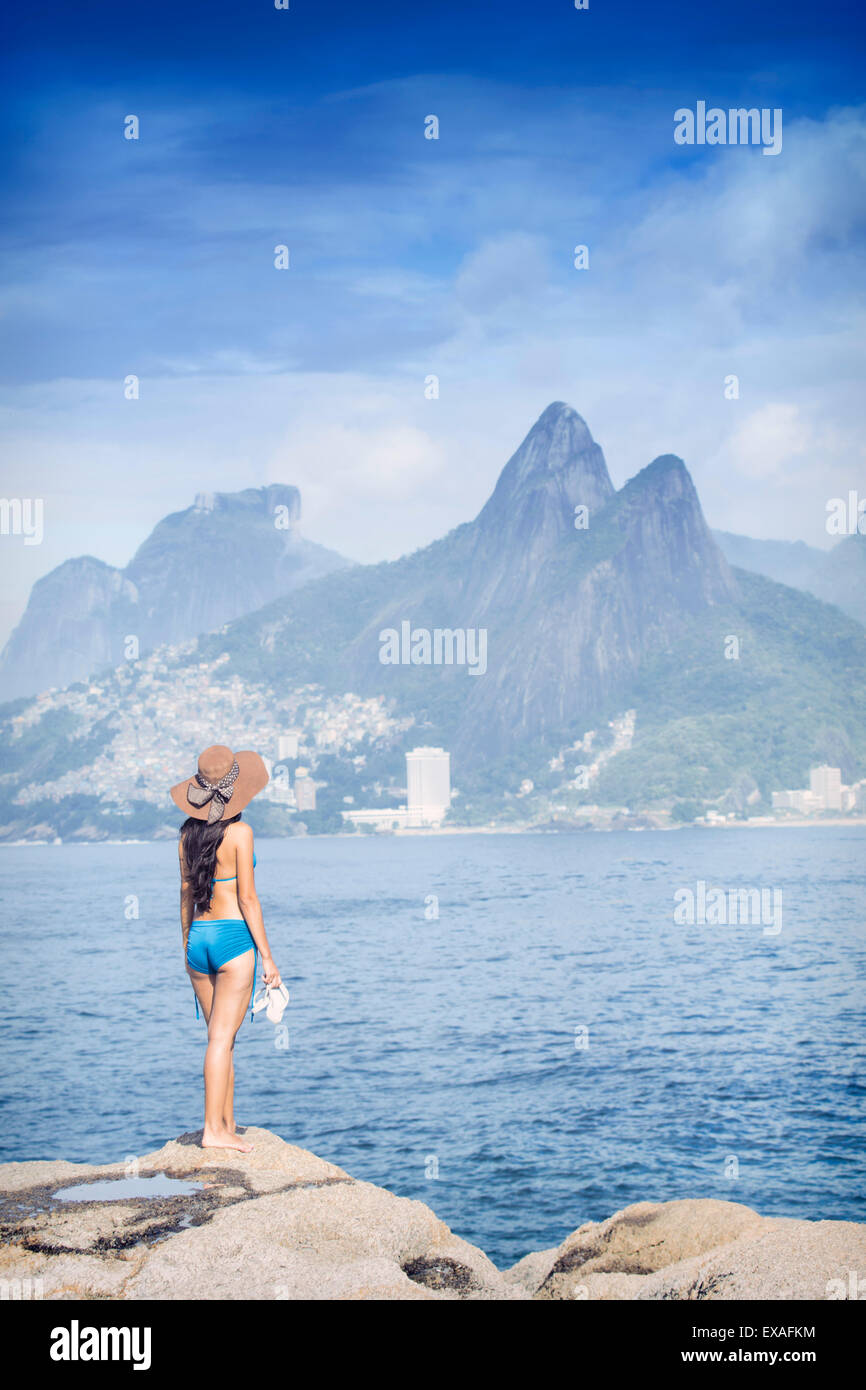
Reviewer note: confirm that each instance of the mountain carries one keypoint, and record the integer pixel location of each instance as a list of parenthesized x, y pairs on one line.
[(199, 568), (557, 468), (842, 578), (603, 600), (569, 613), (586, 627), (791, 695), (837, 576)]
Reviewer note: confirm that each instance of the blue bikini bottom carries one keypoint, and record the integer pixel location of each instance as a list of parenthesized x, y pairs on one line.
[(211, 944)]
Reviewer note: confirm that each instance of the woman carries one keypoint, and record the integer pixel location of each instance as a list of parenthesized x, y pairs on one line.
[(221, 919)]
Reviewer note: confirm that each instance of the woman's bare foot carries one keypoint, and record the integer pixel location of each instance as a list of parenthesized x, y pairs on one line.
[(224, 1139)]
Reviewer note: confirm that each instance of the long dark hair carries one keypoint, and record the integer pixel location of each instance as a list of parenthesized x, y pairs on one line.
[(200, 845)]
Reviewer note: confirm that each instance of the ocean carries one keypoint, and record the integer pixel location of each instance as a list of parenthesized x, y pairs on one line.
[(513, 1029)]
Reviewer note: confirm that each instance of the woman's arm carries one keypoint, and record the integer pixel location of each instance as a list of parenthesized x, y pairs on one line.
[(186, 899), (248, 901)]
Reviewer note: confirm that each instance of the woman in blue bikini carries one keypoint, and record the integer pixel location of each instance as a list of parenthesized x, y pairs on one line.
[(221, 919)]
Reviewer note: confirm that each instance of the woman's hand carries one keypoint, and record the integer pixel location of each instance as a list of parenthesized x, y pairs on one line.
[(270, 973)]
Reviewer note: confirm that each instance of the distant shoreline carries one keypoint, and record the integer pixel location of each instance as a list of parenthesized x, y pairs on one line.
[(756, 824), (759, 823)]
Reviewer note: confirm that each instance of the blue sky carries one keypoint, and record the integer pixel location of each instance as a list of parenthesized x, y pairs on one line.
[(412, 256)]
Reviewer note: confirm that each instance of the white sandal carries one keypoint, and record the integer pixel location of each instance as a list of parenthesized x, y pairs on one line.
[(272, 998), (279, 998)]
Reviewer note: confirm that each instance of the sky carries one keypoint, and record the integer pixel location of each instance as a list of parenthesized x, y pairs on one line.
[(412, 257)]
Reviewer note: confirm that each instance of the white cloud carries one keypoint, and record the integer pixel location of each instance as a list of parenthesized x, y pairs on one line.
[(734, 264), (768, 441)]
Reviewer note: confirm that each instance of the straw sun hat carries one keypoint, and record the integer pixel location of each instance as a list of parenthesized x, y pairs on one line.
[(224, 780)]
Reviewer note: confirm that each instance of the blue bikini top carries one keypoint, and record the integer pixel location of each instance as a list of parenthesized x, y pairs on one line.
[(231, 877)]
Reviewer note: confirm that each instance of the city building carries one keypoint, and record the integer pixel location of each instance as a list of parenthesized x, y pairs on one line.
[(826, 783), (428, 782), (305, 790), (825, 792), (801, 800), (280, 787), (395, 818), (287, 744)]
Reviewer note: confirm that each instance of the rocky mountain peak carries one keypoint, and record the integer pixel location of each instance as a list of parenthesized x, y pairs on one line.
[(661, 512), (250, 501), (557, 467), (225, 555)]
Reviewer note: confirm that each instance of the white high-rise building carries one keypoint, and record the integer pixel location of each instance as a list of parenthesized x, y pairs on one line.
[(428, 784), (305, 790), (826, 783), (287, 744)]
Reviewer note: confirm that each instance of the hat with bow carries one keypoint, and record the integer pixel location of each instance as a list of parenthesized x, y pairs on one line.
[(223, 785)]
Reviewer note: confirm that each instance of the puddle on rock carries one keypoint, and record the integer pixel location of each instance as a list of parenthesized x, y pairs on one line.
[(124, 1189)]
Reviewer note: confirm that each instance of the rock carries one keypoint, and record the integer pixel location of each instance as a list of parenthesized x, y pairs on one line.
[(277, 1223), (643, 1238), (281, 1223), (787, 1260), (531, 1272), (696, 1249)]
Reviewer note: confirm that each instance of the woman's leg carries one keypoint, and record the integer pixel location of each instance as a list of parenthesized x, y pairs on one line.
[(229, 1107), (203, 986), (230, 999)]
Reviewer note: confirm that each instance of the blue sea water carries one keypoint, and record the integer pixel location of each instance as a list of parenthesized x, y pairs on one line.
[(443, 1057)]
